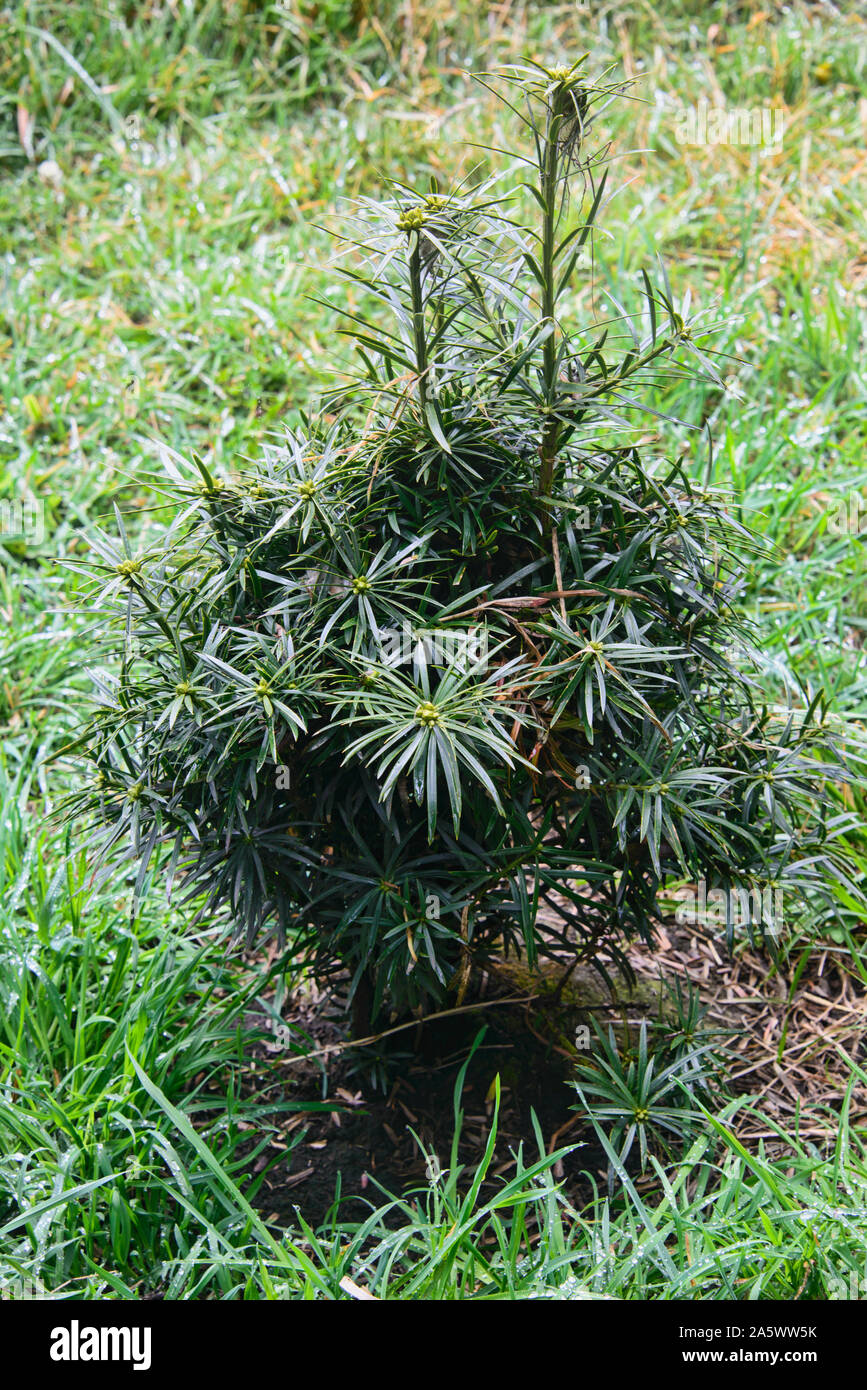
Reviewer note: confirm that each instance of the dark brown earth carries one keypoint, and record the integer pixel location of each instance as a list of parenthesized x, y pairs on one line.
[(376, 1141), (781, 1038)]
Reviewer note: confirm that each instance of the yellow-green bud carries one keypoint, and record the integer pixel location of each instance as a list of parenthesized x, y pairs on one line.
[(412, 220), (427, 714)]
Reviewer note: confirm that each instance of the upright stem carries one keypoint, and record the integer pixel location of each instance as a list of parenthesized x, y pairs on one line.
[(418, 324), (551, 431), (362, 1002)]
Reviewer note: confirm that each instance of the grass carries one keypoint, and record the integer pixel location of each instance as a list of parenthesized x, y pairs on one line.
[(106, 1023), (167, 180)]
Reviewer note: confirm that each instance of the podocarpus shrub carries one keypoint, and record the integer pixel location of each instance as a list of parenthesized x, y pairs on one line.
[(460, 647)]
